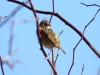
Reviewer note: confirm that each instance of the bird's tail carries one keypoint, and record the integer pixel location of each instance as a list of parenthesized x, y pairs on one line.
[(63, 51)]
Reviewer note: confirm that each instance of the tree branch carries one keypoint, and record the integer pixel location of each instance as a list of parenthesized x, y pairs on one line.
[(65, 21), (1, 64), (39, 38)]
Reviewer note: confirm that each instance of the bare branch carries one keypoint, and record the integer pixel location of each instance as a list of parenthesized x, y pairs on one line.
[(81, 40), (60, 33), (11, 37), (91, 5), (7, 57), (65, 21), (82, 69), (10, 51), (1, 64), (39, 38), (52, 11), (72, 62), (85, 29), (12, 64), (12, 14), (92, 18)]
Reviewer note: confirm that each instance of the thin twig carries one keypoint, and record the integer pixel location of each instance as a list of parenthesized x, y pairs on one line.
[(86, 27), (60, 33), (52, 11), (11, 37), (2, 18), (93, 17), (74, 56), (82, 69), (39, 37), (80, 41), (91, 5), (1, 64), (10, 51), (72, 62)]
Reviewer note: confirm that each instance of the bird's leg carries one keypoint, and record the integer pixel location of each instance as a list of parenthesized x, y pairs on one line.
[(53, 56), (53, 61), (50, 52)]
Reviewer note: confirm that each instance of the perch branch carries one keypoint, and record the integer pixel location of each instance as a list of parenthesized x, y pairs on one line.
[(65, 21), (39, 37)]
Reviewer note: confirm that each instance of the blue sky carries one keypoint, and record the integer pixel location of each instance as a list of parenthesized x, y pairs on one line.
[(25, 40)]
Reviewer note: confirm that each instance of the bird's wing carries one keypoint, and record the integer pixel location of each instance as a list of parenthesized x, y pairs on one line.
[(51, 36)]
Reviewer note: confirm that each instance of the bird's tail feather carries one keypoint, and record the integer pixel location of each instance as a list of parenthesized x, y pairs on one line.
[(63, 51)]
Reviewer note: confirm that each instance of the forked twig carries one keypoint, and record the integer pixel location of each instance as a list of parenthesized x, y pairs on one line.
[(12, 14), (2, 18), (6, 59), (80, 41)]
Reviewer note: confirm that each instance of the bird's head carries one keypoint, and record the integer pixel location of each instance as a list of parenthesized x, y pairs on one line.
[(44, 23)]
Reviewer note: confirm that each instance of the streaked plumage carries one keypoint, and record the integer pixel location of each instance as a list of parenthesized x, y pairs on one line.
[(48, 36)]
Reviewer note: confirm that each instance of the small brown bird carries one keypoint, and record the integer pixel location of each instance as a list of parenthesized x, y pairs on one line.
[(48, 36)]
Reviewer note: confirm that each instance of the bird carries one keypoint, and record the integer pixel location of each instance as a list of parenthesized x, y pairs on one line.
[(48, 36)]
